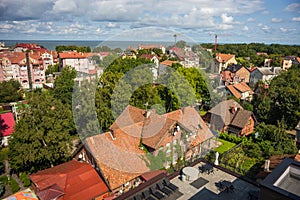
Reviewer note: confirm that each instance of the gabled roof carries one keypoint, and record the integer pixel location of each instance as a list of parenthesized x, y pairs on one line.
[(129, 116), (75, 179), (242, 87), (241, 118), (119, 159), (73, 55), (221, 57), (234, 91), (7, 123), (265, 71), (147, 56), (168, 62), (234, 68), (117, 152), (221, 114)]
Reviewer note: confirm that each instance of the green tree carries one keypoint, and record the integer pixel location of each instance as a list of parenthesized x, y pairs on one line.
[(52, 68), (63, 85), (42, 135), (10, 91)]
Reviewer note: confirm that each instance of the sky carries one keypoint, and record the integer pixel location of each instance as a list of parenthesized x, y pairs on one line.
[(234, 21)]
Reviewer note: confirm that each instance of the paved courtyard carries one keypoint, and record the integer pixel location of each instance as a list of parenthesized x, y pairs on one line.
[(210, 190)]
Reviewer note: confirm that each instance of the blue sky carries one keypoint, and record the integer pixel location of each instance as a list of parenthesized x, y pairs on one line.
[(235, 21)]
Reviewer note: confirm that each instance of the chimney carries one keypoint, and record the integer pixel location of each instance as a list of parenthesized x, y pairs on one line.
[(233, 109)]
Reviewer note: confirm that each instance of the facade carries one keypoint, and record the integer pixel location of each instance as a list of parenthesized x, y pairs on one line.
[(222, 61), (187, 58), (235, 74), (240, 91), (229, 116), (141, 141), (13, 65), (264, 74)]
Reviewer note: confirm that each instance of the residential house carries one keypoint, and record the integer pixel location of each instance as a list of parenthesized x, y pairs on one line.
[(229, 116), (264, 74), (187, 58), (235, 74), (267, 62), (288, 61), (283, 182), (69, 181), (168, 63), (152, 46), (81, 62), (14, 66), (127, 150), (240, 91), (222, 61), (7, 123), (27, 46)]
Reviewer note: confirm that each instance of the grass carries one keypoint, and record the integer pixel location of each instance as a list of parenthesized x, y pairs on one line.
[(225, 146)]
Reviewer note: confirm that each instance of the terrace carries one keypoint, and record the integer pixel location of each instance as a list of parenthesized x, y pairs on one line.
[(214, 184)]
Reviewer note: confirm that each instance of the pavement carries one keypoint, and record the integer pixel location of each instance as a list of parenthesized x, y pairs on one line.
[(209, 191)]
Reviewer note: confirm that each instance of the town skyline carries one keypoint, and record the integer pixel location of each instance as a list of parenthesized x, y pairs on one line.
[(261, 21)]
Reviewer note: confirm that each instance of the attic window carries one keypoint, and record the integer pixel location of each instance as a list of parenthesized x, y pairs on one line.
[(199, 125)]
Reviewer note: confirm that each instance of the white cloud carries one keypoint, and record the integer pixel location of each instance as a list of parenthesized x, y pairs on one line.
[(264, 28), (296, 19), (112, 25), (265, 12), (226, 19), (245, 28), (276, 20), (292, 7), (250, 19), (284, 30)]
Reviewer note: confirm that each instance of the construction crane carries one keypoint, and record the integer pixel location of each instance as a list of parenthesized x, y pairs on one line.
[(216, 39)]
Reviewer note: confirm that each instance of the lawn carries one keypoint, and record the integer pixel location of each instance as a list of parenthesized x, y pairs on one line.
[(225, 146)]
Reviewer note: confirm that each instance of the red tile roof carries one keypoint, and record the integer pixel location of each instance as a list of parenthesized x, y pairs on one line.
[(242, 87), (220, 57), (168, 62), (233, 91), (73, 54), (75, 179), (7, 123)]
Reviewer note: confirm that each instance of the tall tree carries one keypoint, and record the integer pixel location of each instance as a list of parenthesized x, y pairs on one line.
[(10, 91), (42, 135), (63, 85)]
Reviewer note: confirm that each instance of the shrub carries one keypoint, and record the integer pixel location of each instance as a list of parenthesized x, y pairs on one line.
[(3, 180), (25, 179), (14, 186)]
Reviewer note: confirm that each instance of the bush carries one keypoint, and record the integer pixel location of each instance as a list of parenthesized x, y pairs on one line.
[(231, 138), (25, 179), (3, 180), (14, 186)]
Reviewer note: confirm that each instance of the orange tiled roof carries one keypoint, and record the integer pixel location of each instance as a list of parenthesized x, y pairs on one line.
[(168, 62), (242, 87), (117, 153), (298, 59), (120, 160), (233, 91), (75, 179), (73, 54), (220, 57)]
